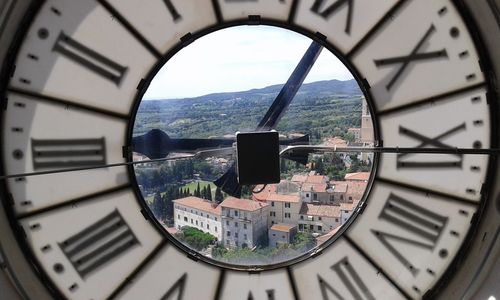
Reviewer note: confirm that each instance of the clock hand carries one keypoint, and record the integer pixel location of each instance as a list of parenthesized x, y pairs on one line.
[(301, 152), (290, 150), (157, 144), (228, 182), (199, 155)]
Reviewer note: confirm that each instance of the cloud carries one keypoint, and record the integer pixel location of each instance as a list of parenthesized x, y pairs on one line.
[(239, 58)]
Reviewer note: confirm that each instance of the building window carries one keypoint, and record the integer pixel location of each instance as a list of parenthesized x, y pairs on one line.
[(202, 214), (196, 222), (315, 196), (301, 227), (228, 233), (282, 236), (311, 227), (274, 234), (302, 217), (227, 222), (215, 228), (236, 243), (320, 228), (350, 198), (191, 211), (191, 221), (235, 224), (201, 224), (179, 227), (272, 214), (235, 213), (185, 219), (245, 226), (179, 217), (236, 235), (272, 203), (287, 215), (341, 197), (208, 226), (215, 218), (245, 236), (227, 242), (337, 220), (307, 195), (287, 205), (272, 222), (346, 211), (319, 218)]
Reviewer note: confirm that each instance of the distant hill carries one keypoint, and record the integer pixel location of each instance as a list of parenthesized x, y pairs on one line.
[(314, 89), (322, 108)]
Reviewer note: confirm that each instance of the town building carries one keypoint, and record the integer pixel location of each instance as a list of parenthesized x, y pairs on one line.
[(319, 218), (244, 222), (198, 213), (283, 200), (281, 234)]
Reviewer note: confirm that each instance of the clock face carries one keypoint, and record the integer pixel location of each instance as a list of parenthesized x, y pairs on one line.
[(80, 68), (269, 224)]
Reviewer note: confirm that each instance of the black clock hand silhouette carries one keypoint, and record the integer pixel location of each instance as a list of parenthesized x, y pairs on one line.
[(229, 182), (157, 144)]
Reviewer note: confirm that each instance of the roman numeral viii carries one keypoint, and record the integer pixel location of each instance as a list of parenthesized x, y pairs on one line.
[(94, 246), (351, 280), (68, 153), (89, 58), (425, 225), (402, 162)]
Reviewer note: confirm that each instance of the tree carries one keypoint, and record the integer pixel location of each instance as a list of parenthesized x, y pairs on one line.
[(158, 206), (218, 195), (195, 238), (209, 192), (197, 192)]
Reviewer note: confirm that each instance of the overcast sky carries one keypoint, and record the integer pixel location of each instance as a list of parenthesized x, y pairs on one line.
[(238, 59)]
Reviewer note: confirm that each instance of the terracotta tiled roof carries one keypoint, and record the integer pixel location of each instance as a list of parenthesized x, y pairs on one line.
[(314, 187), (262, 195), (339, 186), (361, 176), (283, 227), (200, 204), (348, 206), (243, 204), (323, 238), (299, 178), (356, 189), (293, 198), (310, 209), (316, 179)]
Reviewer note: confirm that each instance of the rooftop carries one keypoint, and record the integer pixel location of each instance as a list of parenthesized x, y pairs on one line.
[(283, 227), (294, 198), (314, 187), (310, 209), (200, 204), (359, 176), (243, 204), (339, 186), (299, 178), (323, 238)]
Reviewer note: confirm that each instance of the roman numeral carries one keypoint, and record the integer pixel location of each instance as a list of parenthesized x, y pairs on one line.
[(68, 153), (270, 295), (172, 10), (417, 220), (426, 141), (94, 246), (413, 57), (177, 286), (89, 58), (351, 280), (332, 9)]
